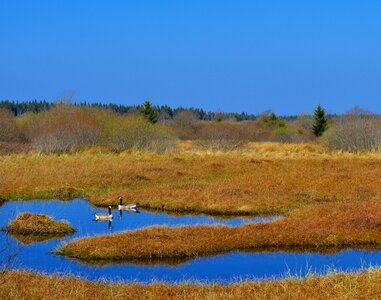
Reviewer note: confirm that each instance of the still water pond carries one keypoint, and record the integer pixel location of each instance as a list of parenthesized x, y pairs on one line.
[(224, 268)]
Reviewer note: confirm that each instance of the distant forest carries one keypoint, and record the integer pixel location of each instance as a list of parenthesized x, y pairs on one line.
[(164, 111)]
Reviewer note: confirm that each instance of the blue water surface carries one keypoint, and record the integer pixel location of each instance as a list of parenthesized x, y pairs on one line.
[(224, 268)]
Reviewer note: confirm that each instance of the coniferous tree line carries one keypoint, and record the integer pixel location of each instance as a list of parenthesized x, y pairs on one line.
[(164, 111), (19, 108)]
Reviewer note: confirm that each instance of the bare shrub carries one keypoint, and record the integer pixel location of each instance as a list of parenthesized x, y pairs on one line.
[(221, 136), (248, 130), (355, 132), (134, 132), (269, 124), (13, 147), (281, 135), (165, 116), (9, 131), (305, 122), (184, 119), (64, 128), (183, 124), (303, 129), (297, 131)]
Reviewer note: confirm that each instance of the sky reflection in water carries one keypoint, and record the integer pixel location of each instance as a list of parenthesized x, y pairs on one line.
[(224, 268)]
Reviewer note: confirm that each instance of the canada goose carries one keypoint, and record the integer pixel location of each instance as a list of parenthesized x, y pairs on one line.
[(102, 216), (130, 207)]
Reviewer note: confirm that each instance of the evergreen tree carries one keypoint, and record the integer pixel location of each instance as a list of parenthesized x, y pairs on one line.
[(320, 121), (149, 112)]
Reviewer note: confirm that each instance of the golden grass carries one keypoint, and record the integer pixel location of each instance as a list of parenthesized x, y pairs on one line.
[(24, 285), (315, 227), (266, 178), (38, 224), (330, 200)]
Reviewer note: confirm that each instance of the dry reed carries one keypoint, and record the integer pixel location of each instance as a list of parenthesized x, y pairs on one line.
[(269, 178), (24, 285)]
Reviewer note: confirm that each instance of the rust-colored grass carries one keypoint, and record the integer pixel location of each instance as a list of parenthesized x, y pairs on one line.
[(23, 285), (38, 224), (266, 178), (315, 227), (329, 199)]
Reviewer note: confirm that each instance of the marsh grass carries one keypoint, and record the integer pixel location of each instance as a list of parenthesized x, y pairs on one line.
[(25, 285), (28, 224), (267, 179), (317, 227), (331, 201)]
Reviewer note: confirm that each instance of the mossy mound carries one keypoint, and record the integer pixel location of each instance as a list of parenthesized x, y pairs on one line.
[(38, 224)]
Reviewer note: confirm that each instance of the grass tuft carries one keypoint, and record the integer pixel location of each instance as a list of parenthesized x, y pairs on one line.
[(38, 224)]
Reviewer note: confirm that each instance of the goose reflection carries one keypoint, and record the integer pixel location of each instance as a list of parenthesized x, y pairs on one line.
[(109, 223), (134, 210)]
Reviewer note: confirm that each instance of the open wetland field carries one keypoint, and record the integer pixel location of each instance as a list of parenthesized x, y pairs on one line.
[(272, 221), (190, 150)]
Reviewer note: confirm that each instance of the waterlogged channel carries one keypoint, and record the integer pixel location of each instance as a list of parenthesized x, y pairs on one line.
[(224, 268)]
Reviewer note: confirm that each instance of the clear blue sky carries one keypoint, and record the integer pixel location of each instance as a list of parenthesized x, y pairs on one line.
[(250, 56)]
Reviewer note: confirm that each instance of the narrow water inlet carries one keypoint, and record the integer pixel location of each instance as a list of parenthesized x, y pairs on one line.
[(229, 267)]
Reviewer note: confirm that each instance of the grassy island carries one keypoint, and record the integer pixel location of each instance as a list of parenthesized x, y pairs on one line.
[(38, 225), (317, 227)]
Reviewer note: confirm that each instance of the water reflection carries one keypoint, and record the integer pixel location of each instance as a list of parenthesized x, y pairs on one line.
[(35, 238), (127, 211)]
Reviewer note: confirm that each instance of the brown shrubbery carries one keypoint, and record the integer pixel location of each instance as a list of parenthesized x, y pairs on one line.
[(135, 132), (67, 128), (13, 147), (62, 129), (355, 132), (12, 140), (9, 132), (221, 136)]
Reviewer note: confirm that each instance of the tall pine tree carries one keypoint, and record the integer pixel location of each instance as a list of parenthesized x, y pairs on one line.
[(320, 121), (149, 112)]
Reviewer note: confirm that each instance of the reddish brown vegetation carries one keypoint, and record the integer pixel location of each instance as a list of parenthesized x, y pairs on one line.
[(9, 132), (317, 226), (64, 128), (219, 184), (37, 224), (23, 285), (13, 147)]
